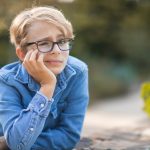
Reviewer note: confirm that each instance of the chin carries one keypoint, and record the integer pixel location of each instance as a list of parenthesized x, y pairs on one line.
[(56, 71)]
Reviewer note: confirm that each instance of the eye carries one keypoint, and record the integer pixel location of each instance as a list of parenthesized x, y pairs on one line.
[(44, 43), (63, 41)]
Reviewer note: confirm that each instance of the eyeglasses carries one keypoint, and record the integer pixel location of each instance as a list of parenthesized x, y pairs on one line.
[(47, 46)]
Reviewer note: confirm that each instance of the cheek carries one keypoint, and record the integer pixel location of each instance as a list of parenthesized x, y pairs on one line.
[(44, 55), (65, 55)]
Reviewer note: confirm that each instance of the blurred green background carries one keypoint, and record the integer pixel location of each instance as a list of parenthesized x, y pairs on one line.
[(111, 36)]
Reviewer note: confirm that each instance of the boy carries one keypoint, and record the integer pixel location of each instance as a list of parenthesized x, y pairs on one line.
[(44, 96)]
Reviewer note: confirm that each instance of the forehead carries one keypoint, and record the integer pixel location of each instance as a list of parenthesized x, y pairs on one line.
[(40, 29)]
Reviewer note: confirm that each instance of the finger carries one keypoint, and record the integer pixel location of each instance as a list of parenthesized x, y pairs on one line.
[(33, 55), (40, 58), (27, 57), (33, 61), (28, 67), (26, 60)]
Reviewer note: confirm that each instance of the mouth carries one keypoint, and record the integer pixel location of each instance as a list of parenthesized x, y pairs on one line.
[(54, 62)]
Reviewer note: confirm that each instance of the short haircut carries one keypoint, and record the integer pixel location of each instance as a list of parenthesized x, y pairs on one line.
[(20, 24)]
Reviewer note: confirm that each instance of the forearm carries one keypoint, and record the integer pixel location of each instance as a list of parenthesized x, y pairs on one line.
[(23, 130), (48, 89), (58, 139)]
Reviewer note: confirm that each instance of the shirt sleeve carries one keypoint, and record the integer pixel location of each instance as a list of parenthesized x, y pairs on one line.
[(22, 126), (66, 135), (27, 124)]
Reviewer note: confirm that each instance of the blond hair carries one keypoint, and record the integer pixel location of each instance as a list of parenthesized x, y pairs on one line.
[(20, 24)]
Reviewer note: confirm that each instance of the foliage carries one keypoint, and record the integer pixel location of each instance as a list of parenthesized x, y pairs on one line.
[(108, 78), (145, 93), (111, 36)]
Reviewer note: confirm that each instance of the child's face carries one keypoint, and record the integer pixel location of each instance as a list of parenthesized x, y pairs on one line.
[(56, 59)]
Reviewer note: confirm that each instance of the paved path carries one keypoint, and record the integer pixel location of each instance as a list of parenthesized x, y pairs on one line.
[(120, 112), (116, 124)]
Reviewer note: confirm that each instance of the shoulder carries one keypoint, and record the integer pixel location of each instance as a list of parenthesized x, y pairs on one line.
[(77, 64), (8, 71)]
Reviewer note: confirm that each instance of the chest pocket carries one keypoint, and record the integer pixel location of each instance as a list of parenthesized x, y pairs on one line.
[(61, 106), (58, 108)]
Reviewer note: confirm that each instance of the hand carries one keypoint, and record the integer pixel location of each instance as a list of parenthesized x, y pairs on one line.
[(3, 145), (35, 67)]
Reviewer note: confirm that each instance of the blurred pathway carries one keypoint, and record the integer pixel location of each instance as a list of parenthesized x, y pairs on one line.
[(120, 112)]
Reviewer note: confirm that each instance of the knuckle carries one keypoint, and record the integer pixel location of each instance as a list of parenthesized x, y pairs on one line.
[(39, 61), (24, 62), (31, 61)]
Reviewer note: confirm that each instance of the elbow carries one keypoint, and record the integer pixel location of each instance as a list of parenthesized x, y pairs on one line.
[(14, 143), (17, 146), (74, 141)]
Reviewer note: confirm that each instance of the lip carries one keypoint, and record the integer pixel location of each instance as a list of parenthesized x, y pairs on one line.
[(54, 62)]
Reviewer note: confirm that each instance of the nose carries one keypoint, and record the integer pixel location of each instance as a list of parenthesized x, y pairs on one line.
[(55, 49)]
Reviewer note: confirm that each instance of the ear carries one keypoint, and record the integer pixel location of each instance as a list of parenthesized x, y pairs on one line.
[(20, 53)]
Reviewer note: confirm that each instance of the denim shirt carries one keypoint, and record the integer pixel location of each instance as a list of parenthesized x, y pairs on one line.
[(29, 121)]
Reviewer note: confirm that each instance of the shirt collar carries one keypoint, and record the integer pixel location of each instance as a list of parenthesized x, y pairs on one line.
[(62, 79), (65, 75), (23, 77)]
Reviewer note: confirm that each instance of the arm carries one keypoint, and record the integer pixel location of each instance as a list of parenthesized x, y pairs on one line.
[(21, 126), (67, 133)]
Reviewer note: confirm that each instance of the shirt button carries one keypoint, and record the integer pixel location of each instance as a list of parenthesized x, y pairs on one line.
[(42, 105), (31, 129)]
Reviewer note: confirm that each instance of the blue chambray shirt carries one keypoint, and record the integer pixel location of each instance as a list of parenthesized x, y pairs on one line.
[(29, 121)]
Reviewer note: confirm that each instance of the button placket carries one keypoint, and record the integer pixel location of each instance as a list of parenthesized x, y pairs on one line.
[(31, 129), (42, 105)]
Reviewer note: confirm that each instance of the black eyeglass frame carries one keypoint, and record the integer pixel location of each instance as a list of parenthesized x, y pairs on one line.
[(53, 44)]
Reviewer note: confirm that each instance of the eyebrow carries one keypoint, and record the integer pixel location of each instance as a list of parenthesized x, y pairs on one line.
[(44, 39)]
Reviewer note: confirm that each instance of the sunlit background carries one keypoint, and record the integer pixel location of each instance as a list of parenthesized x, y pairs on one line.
[(113, 38)]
